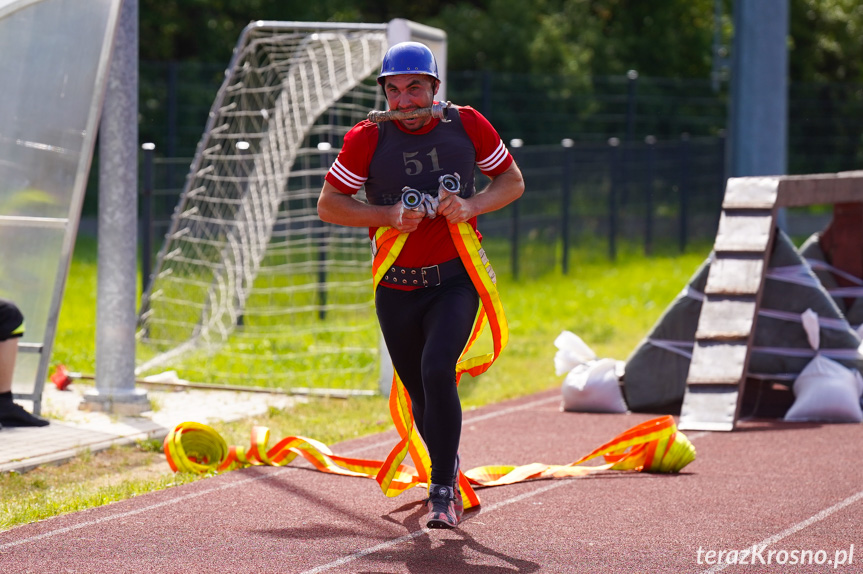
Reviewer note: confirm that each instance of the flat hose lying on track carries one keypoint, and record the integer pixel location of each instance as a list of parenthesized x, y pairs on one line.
[(652, 446)]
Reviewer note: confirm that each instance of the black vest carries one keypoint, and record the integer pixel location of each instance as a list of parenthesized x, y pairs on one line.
[(418, 160)]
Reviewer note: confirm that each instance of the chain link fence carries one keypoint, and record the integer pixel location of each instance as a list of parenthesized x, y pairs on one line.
[(606, 161)]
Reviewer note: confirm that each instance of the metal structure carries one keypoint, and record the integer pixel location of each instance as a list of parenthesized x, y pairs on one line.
[(248, 274), (735, 284), (54, 58), (118, 216)]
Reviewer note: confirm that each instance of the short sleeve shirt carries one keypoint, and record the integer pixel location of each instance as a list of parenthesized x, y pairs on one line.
[(386, 158)]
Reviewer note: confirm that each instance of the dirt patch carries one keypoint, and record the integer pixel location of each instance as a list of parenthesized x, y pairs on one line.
[(125, 464), (106, 468)]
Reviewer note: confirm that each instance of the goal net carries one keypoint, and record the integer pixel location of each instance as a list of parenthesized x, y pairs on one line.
[(250, 287)]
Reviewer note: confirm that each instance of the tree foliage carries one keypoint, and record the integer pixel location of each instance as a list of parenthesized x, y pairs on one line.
[(207, 30), (672, 38), (825, 43)]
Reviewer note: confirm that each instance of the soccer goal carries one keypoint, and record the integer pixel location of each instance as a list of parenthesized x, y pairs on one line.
[(250, 287)]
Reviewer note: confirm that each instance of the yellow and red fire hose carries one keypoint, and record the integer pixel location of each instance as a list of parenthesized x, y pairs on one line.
[(652, 446)]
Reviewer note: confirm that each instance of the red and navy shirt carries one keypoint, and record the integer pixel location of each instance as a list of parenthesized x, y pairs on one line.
[(385, 158)]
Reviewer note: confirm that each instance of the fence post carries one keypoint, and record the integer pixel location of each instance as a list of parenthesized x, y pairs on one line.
[(515, 144), (565, 190), (172, 107), (648, 196), (625, 178), (723, 164), (685, 190), (614, 172), (486, 94), (147, 215), (631, 84), (324, 147)]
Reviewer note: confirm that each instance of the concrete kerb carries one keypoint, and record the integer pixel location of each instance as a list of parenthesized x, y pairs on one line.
[(74, 431)]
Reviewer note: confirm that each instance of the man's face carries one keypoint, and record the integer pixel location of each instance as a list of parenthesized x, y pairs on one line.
[(407, 92)]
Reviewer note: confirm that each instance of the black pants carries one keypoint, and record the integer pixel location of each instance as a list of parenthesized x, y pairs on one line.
[(425, 331)]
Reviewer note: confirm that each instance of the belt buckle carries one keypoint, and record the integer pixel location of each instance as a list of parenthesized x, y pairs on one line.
[(431, 276)]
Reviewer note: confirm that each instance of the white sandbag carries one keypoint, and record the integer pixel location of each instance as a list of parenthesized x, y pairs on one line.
[(572, 352), (825, 390), (594, 387)]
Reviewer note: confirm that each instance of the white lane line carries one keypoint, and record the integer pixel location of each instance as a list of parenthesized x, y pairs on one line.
[(190, 496), (468, 420), (384, 545), (483, 511), (366, 552), (797, 527), (111, 517), (51, 533), (500, 413)]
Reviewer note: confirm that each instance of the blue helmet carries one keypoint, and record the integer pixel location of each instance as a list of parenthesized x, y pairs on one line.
[(408, 58)]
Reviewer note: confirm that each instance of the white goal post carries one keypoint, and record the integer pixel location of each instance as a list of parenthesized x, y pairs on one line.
[(250, 287)]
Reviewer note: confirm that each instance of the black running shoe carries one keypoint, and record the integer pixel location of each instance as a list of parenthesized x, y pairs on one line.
[(441, 507), (14, 415)]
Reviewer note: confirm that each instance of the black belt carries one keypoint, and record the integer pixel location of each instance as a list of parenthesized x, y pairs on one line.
[(431, 276)]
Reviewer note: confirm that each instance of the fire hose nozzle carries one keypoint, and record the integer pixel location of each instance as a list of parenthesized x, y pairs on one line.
[(411, 198), (449, 184)]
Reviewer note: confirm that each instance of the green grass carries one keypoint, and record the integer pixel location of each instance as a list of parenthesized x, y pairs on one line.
[(75, 343), (89, 481), (609, 305)]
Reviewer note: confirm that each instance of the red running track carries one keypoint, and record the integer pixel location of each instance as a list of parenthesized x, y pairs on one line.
[(792, 491)]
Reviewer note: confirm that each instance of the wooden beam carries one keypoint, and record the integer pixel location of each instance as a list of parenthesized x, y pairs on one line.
[(801, 190), (750, 193), (710, 408), (735, 274), (726, 319), (718, 362), (744, 230)]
